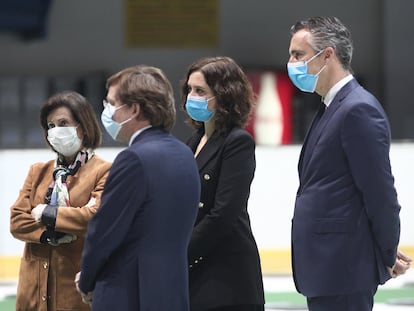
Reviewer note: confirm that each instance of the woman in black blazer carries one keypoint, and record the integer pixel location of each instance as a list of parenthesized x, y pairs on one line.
[(224, 263)]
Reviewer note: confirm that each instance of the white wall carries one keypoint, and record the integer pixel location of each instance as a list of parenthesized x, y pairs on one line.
[(271, 201), (274, 191)]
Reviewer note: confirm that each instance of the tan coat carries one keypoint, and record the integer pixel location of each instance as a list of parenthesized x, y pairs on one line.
[(47, 273)]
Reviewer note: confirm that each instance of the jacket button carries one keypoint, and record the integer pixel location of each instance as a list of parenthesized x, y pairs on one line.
[(44, 298), (201, 258), (200, 205), (206, 177), (45, 265)]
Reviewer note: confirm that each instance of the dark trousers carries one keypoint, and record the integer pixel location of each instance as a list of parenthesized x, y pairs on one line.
[(239, 308), (359, 301)]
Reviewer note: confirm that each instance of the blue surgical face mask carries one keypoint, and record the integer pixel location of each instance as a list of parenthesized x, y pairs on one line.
[(197, 108), (111, 126), (298, 74)]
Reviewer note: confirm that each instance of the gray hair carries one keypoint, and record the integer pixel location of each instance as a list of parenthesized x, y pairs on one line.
[(328, 32)]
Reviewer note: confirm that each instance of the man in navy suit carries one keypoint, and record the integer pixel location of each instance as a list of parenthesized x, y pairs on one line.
[(135, 253), (346, 226)]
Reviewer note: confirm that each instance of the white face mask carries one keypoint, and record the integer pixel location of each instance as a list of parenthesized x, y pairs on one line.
[(64, 140)]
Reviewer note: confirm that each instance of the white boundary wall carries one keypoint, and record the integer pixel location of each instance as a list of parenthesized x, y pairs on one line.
[(271, 200)]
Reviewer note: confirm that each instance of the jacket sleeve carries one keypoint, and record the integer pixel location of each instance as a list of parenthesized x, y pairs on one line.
[(122, 199), (87, 193), (366, 141), (22, 224)]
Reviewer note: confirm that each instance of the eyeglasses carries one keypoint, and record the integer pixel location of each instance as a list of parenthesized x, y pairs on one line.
[(106, 103), (111, 107)]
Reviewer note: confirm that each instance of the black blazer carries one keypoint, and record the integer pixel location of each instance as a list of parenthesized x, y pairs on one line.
[(223, 256)]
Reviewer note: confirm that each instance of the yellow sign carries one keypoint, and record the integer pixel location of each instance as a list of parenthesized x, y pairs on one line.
[(171, 23)]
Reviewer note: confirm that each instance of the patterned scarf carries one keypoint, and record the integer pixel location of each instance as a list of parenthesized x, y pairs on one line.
[(57, 193)]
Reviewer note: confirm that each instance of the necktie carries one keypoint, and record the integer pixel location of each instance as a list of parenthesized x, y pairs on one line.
[(322, 108), (318, 116)]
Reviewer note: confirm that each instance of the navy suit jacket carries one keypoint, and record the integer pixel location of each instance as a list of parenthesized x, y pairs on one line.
[(135, 254), (346, 226)]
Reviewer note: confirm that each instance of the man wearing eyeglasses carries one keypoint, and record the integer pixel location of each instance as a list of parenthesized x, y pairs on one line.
[(135, 254)]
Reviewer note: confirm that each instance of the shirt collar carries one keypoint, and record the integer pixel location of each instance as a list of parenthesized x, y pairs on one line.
[(335, 89), (137, 133)]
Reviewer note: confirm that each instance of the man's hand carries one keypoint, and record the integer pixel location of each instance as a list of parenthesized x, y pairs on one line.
[(402, 264), (86, 298)]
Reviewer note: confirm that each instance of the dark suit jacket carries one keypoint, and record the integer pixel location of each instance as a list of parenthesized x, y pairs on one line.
[(346, 226), (224, 260), (135, 255)]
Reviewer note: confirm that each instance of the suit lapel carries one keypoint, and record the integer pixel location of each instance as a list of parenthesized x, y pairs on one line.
[(315, 132), (194, 140), (211, 147), (305, 142)]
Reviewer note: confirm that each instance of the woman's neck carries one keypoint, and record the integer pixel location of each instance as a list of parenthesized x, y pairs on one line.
[(208, 131), (209, 128)]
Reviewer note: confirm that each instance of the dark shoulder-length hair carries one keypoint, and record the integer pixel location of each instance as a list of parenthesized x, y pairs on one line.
[(231, 88), (150, 88), (82, 113)]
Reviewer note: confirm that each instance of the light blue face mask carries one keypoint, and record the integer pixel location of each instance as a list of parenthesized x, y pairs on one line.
[(298, 74), (111, 126), (197, 108)]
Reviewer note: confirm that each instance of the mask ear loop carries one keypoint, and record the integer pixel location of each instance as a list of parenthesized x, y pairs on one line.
[(314, 56), (324, 66), (130, 118), (125, 121)]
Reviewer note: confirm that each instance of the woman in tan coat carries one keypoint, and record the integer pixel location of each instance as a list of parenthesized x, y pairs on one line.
[(57, 200)]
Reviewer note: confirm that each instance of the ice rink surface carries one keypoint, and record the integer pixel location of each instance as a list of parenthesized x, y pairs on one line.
[(285, 284)]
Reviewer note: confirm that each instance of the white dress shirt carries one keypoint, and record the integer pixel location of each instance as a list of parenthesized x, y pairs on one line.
[(335, 89)]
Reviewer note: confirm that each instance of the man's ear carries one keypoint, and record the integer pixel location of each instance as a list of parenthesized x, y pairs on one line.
[(136, 110), (329, 53)]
